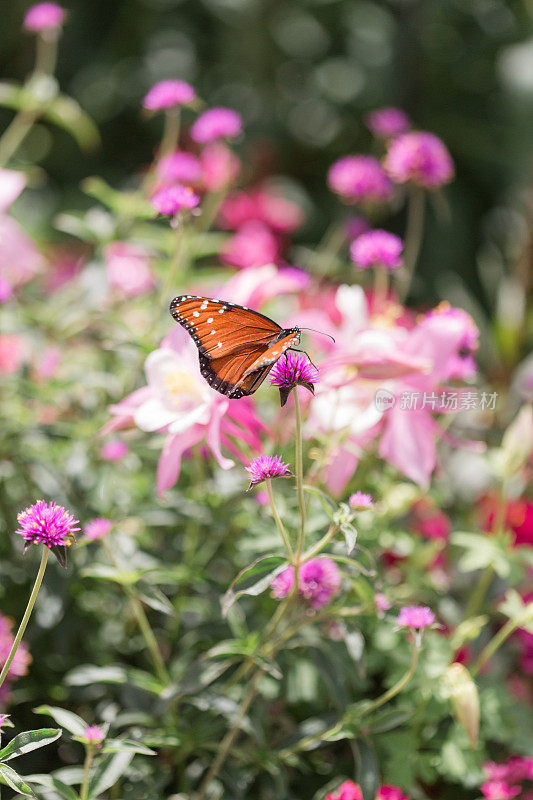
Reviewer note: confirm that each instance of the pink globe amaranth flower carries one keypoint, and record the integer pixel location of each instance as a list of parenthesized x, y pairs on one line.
[(93, 735), (264, 467), (97, 528), (420, 158), (499, 790), (319, 580), (360, 179), (254, 245), (179, 167), (360, 500), (293, 369), (415, 617), (390, 793), (170, 200), (283, 583), (44, 17), (346, 791), (216, 123), (168, 94), (114, 450), (49, 524), (382, 602), (515, 769), (19, 665), (128, 268), (261, 205), (463, 365), (220, 166), (386, 123), (12, 353), (377, 248)]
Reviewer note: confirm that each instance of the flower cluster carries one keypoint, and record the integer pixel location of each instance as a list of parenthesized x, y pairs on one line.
[(508, 779), (352, 791)]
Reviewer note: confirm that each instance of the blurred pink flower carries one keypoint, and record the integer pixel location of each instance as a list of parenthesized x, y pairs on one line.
[(360, 500), (128, 268), (44, 17), (180, 167), (390, 793), (12, 353), (170, 200), (388, 122), (499, 790), (254, 286), (319, 580), (64, 266), (346, 791), (262, 468), (19, 258), (462, 365), (382, 602), (97, 528), (283, 583), (360, 179), (430, 522), (19, 665), (220, 166), (261, 205), (252, 246), (178, 402), (93, 735), (6, 292), (114, 450), (11, 185), (420, 158), (355, 226), (416, 617), (47, 364), (168, 94), (377, 248), (216, 123)]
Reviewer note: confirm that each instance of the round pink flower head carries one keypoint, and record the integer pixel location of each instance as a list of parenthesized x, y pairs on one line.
[(93, 735), (48, 524), (293, 369), (97, 528), (377, 249), (420, 158), (463, 365), (172, 199), (360, 500), (179, 167), (114, 450), (264, 467), (381, 601), (283, 583), (319, 580), (391, 793), (360, 179), (499, 790), (386, 123), (168, 94), (346, 791), (216, 123), (416, 617), (44, 17)]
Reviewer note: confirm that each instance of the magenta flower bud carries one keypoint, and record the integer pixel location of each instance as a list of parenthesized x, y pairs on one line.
[(97, 528), (44, 17), (360, 179), (48, 524), (168, 94), (114, 450), (264, 467), (416, 617), (170, 200), (419, 158), (377, 249), (319, 580), (386, 123), (216, 123), (179, 167), (293, 369), (283, 583), (360, 500), (93, 735)]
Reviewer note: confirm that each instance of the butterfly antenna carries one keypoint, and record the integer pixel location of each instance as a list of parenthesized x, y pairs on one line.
[(295, 350), (320, 332)]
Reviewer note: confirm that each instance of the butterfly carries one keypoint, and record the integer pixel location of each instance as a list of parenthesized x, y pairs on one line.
[(237, 347)]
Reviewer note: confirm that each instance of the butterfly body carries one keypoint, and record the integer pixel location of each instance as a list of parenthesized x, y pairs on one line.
[(237, 347)]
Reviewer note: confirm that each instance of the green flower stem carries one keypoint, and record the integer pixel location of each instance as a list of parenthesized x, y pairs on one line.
[(27, 614), (210, 208), (279, 523), (144, 625), (299, 481), (497, 641), (319, 546), (479, 593), (89, 755), (413, 235), (381, 288), (46, 53), (15, 134), (171, 133), (175, 262)]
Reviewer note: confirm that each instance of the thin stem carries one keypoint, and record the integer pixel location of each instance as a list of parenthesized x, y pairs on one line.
[(479, 592), (381, 288), (397, 688), (319, 546), (15, 134), (89, 755), (174, 262), (279, 523), (210, 208), (171, 132), (496, 642), (299, 480), (413, 235), (46, 55), (27, 614), (144, 625)]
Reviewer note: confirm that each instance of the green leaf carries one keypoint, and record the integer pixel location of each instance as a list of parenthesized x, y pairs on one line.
[(350, 535), (483, 551), (126, 746), (519, 612), (156, 600), (89, 673), (368, 770), (51, 782), (270, 564), (27, 741), (67, 719), (14, 781), (66, 113), (108, 573), (325, 501), (108, 770)]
